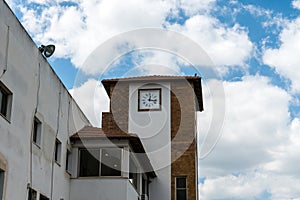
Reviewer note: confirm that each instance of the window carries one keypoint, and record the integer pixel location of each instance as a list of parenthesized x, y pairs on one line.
[(133, 175), (145, 189), (5, 101), (1, 183), (110, 162), (37, 131), (42, 197), (57, 151), (32, 194), (103, 162), (89, 162), (68, 161), (181, 188)]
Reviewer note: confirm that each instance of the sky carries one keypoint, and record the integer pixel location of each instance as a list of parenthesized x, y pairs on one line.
[(246, 49)]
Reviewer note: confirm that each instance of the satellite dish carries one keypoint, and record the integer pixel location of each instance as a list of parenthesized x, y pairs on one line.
[(47, 50)]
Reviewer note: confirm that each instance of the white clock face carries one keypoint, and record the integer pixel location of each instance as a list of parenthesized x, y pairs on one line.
[(149, 99)]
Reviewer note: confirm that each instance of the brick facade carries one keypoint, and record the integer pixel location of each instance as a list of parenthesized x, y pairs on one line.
[(184, 105), (183, 148), (117, 118)]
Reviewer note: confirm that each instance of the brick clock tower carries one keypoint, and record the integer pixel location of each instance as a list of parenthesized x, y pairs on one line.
[(161, 110)]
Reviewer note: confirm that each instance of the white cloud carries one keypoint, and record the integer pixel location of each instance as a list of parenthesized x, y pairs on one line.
[(256, 120), (194, 7), (285, 59), (227, 46), (157, 62), (286, 155), (250, 186), (258, 151), (296, 4), (78, 30), (92, 99)]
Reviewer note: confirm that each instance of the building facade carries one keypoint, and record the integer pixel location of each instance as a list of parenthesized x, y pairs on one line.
[(146, 148), (161, 110), (37, 117)]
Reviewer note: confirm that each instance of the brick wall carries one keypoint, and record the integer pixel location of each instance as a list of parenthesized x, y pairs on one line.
[(117, 118), (183, 147)]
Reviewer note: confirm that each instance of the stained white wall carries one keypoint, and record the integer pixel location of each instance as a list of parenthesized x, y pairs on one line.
[(101, 188), (154, 130), (34, 86)]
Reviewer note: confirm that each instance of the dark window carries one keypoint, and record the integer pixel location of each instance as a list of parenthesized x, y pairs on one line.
[(181, 188), (111, 162), (2, 173), (68, 161), (145, 187), (5, 101), (32, 194), (37, 131), (42, 197), (89, 162), (133, 175), (57, 151)]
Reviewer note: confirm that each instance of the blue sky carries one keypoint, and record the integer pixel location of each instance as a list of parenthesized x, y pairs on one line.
[(253, 47)]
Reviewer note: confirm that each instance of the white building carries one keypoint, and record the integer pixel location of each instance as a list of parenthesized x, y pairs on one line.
[(145, 149)]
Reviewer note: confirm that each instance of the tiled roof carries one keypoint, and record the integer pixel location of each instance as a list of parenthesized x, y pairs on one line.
[(89, 132)]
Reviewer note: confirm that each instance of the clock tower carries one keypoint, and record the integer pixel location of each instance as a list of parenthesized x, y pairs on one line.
[(161, 110)]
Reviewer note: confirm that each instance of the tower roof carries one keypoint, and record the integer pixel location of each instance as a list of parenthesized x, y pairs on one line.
[(196, 80)]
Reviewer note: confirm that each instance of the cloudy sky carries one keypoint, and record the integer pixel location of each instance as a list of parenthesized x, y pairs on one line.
[(253, 48)]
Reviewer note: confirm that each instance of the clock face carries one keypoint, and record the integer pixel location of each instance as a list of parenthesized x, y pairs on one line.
[(149, 99)]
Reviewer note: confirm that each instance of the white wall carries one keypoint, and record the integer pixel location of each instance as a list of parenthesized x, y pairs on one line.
[(154, 130), (101, 188), (30, 78)]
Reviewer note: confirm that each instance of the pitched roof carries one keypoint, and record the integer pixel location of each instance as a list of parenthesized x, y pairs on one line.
[(91, 133), (195, 79)]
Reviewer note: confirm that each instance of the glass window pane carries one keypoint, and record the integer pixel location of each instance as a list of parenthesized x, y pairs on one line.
[(32, 194), (1, 183), (89, 162), (111, 162), (133, 176), (181, 195), (181, 182), (57, 151), (42, 197), (3, 102)]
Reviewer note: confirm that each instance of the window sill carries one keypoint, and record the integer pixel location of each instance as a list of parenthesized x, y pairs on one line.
[(57, 163), (4, 117), (37, 145)]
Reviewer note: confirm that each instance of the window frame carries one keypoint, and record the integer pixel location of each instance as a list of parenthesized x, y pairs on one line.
[(2, 182), (68, 161), (57, 153), (5, 104), (31, 191), (37, 131), (43, 197), (185, 189), (100, 161), (79, 161)]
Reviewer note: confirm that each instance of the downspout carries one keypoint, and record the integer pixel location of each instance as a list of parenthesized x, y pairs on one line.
[(6, 53), (53, 155), (32, 125)]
